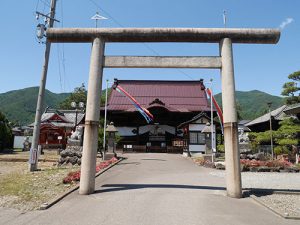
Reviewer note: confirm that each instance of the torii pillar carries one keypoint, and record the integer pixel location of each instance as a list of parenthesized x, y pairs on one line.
[(232, 153), (90, 141)]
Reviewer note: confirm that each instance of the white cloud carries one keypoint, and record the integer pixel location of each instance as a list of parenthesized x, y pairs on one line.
[(286, 22)]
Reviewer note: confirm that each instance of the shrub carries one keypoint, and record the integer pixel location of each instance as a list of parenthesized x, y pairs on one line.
[(199, 160), (220, 148), (279, 150)]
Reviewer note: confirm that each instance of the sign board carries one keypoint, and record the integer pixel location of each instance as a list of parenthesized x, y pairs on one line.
[(33, 155)]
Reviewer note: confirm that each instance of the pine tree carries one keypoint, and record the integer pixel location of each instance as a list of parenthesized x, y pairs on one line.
[(291, 89)]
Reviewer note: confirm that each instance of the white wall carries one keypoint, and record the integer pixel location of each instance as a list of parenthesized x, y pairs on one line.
[(19, 140), (200, 127), (197, 148), (196, 127)]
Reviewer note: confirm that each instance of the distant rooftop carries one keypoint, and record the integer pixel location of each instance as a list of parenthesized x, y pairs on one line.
[(277, 114)]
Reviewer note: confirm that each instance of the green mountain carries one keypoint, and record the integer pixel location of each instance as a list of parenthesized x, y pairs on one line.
[(253, 104), (19, 105)]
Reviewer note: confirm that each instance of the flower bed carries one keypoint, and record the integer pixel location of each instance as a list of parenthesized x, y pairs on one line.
[(271, 163), (75, 176), (267, 166)]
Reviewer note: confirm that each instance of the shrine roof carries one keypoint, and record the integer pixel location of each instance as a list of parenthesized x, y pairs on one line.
[(175, 96)]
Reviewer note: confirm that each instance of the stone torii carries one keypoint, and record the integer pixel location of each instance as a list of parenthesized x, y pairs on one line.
[(223, 36)]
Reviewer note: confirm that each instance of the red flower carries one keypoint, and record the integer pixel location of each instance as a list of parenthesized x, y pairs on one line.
[(75, 176)]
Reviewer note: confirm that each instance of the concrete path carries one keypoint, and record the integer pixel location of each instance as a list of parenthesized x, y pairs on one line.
[(152, 189)]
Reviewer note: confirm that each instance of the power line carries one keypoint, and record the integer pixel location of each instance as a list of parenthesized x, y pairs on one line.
[(146, 45), (59, 69), (46, 3)]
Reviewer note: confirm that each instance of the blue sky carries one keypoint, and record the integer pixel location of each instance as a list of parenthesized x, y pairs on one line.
[(261, 67)]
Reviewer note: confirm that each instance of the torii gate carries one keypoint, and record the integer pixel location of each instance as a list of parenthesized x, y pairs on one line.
[(224, 36)]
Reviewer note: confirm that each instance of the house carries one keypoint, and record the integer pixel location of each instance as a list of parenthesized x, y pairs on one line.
[(262, 123), (20, 134), (293, 110), (197, 135), (170, 102), (57, 126)]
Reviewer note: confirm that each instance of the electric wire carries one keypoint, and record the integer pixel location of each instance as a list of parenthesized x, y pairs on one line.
[(46, 3), (59, 69), (146, 45), (63, 46), (37, 5), (65, 79)]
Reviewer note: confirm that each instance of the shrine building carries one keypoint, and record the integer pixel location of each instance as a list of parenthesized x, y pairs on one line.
[(181, 113)]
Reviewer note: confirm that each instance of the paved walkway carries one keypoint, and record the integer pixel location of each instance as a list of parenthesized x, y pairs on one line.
[(152, 189)]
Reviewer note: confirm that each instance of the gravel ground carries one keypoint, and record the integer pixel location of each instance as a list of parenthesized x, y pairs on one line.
[(280, 181), (285, 204)]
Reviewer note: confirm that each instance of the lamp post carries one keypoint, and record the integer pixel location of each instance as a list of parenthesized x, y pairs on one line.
[(76, 106), (105, 118), (211, 120), (271, 135)]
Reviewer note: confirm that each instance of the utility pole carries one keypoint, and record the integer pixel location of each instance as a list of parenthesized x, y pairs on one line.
[(33, 160), (105, 122), (271, 135)]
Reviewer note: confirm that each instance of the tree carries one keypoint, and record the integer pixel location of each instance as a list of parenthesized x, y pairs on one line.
[(291, 89), (287, 136), (5, 133), (78, 95)]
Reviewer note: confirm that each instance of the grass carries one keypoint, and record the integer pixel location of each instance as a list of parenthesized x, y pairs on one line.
[(24, 190), (27, 191), (50, 155)]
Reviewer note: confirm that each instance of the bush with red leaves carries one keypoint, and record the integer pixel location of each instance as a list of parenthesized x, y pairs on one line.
[(272, 163), (75, 176)]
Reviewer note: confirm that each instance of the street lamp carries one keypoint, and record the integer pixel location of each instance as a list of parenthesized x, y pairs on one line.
[(211, 120), (76, 106), (105, 118), (272, 151)]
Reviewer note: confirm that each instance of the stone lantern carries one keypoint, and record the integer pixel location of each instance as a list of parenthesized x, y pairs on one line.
[(111, 130)]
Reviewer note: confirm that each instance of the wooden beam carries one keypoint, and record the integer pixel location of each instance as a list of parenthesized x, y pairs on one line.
[(210, 62)]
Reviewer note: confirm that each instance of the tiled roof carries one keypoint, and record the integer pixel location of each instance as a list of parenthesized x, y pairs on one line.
[(176, 96), (200, 115), (293, 109), (277, 114), (68, 118)]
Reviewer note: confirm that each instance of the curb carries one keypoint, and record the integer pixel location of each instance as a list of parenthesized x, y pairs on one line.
[(47, 205), (256, 199)]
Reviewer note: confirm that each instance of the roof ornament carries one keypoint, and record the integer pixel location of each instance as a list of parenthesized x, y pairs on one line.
[(97, 17), (157, 101)]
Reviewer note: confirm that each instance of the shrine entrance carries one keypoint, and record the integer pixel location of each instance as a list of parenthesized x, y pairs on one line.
[(222, 36)]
